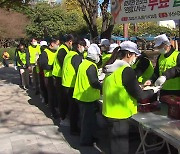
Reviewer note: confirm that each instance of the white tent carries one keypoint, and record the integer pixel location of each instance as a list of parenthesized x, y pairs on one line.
[(167, 23)]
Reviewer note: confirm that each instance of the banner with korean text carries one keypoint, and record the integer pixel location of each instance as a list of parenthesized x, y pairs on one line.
[(132, 11)]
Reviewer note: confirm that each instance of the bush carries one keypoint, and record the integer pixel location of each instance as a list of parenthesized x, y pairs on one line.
[(10, 51)]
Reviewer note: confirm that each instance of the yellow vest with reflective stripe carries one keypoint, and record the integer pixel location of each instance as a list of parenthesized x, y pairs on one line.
[(83, 90), (33, 52), (117, 103), (57, 70), (68, 72), (51, 56), (22, 56), (105, 57), (147, 73), (167, 63)]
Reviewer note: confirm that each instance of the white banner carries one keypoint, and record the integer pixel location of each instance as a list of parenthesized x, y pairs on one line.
[(132, 11)]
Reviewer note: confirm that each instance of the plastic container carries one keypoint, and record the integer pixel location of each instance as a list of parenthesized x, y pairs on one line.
[(173, 105)]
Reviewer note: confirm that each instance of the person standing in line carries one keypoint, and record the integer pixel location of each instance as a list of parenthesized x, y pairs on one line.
[(5, 57), (105, 44), (169, 58), (57, 73), (34, 52), (42, 86), (143, 68), (46, 62), (69, 71), (87, 93), (121, 91), (23, 64)]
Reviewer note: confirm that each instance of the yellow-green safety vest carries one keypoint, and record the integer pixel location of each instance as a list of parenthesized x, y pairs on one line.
[(105, 57), (33, 53), (22, 56), (85, 54), (68, 71), (83, 90), (117, 103), (167, 63), (51, 56), (57, 70), (147, 73)]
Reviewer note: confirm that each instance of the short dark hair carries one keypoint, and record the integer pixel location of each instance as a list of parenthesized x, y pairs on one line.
[(53, 40), (68, 37)]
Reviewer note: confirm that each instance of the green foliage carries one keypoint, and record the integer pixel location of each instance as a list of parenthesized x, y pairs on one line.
[(50, 21), (10, 51), (145, 27)]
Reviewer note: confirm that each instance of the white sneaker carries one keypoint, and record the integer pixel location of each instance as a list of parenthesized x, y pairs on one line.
[(65, 122)]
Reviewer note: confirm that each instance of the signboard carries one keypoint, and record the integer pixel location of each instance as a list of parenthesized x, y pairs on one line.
[(132, 11)]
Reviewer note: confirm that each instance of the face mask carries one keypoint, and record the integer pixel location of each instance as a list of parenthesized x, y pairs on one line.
[(81, 50), (34, 43), (56, 47), (133, 62), (162, 51)]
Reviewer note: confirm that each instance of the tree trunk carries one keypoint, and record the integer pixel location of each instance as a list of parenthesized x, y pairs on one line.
[(107, 21)]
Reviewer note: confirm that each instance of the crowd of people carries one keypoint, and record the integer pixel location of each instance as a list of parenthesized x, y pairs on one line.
[(72, 75)]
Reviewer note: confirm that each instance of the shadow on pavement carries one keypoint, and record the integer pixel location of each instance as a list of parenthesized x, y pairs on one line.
[(9, 75)]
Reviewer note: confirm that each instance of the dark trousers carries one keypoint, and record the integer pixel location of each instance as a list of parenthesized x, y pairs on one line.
[(118, 131), (5, 62), (64, 105), (73, 111), (51, 94), (34, 78), (88, 121), (59, 91), (43, 89)]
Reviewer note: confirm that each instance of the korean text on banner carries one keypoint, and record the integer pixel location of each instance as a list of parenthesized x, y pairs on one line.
[(132, 11)]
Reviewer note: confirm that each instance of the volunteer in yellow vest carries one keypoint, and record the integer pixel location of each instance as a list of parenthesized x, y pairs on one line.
[(87, 93), (43, 89), (23, 64), (143, 68), (34, 52), (121, 91), (46, 62), (57, 73), (69, 71), (104, 49), (169, 58)]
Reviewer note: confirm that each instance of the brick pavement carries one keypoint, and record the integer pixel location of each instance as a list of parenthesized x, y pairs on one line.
[(26, 126), (25, 123)]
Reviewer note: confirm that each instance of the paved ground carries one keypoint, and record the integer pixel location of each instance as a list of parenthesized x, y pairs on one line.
[(26, 126)]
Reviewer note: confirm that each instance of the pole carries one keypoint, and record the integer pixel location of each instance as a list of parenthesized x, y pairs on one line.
[(179, 37), (125, 31)]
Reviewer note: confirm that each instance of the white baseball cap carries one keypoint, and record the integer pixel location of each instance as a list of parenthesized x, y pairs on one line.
[(161, 39), (130, 46), (105, 42), (94, 49), (112, 47), (43, 43), (87, 42)]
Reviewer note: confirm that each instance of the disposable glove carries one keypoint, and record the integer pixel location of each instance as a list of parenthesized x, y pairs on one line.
[(155, 89), (15, 67), (160, 81)]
